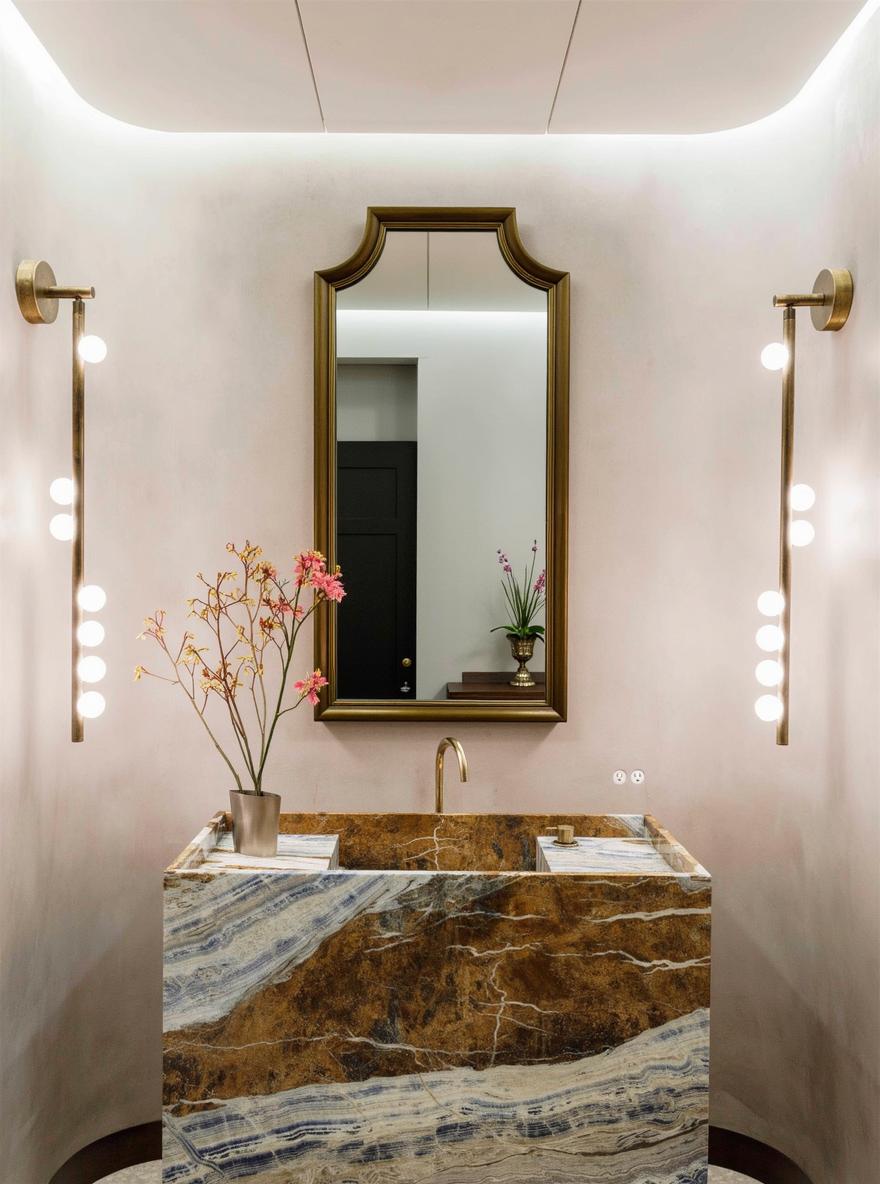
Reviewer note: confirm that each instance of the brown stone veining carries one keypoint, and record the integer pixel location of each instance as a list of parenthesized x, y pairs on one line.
[(499, 967)]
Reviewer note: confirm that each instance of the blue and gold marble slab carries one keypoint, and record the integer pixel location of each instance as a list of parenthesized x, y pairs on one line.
[(450, 1016)]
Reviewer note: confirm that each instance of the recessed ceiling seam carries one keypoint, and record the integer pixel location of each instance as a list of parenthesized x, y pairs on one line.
[(302, 30), (577, 13)]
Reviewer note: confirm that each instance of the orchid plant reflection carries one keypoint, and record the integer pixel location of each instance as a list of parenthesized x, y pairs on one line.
[(525, 601), (251, 618)]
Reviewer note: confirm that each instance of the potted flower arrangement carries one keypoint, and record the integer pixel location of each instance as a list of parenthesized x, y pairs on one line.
[(250, 620), (525, 601)]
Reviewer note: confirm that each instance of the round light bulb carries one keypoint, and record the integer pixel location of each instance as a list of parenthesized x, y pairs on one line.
[(91, 597), (92, 348), (768, 708), (769, 638), (90, 633), (801, 497), (769, 672), (91, 704), (801, 533), (774, 356), (61, 491), (771, 604), (92, 668), (61, 527)]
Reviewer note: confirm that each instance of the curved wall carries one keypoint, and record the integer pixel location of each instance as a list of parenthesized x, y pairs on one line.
[(202, 250)]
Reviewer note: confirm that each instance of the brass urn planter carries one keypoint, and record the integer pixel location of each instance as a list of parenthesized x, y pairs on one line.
[(523, 649)]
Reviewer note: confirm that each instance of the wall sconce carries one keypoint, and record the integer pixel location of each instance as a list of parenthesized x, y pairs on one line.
[(38, 295), (829, 304)]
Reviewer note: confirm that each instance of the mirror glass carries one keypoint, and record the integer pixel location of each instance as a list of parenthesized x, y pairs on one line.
[(441, 446)]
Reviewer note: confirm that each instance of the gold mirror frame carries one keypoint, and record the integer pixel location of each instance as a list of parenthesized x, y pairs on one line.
[(381, 219)]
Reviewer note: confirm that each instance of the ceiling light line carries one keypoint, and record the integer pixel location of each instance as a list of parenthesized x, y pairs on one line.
[(577, 13), (302, 30)]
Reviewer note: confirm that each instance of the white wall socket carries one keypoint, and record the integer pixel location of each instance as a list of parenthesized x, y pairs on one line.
[(637, 776), (619, 777)]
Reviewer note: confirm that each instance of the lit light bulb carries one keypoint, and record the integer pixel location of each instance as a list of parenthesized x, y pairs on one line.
[(771, 604), (92, 348), (92, 668), (90, 633), (801, 533), (61, 491), (61, 527), (769, 672), (801, 497), (769, 638), (91, 597), (91, 704), (768, 708), (774, 356)]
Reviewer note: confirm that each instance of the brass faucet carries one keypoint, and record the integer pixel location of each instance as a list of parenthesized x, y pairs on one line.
[(447, 742)]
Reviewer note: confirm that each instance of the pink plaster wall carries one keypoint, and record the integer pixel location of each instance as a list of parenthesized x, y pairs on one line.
[(202, 250)]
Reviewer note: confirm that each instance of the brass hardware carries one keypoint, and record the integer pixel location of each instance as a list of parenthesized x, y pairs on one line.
[(836, 285), (38, 294), (406, 663), (814, 298), (522, 649), (501, 221), (829, 303), (77, 543), (447, 742), (564, 835)]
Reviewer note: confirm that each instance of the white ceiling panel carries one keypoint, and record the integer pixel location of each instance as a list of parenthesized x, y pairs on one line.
[(437, 65), (183, 65), (691, 65)]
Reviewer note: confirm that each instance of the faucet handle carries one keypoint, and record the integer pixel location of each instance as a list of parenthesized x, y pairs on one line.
[(564, 835)]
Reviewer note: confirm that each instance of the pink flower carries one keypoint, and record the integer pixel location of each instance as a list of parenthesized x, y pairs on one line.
[(308, 565), (541, 581), (507, 569), (309, 686), (329, 584)]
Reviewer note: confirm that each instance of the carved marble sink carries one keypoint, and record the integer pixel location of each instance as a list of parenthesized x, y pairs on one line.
[(434, 1010)]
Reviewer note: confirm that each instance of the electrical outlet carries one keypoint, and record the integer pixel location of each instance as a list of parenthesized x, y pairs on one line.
[(619, 777), (637, 777)]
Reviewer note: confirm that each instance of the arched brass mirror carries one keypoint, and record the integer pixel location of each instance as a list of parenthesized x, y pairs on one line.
[(441, 471)]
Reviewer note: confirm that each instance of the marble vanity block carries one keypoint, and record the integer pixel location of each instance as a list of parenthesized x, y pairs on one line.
[(434, 1010)]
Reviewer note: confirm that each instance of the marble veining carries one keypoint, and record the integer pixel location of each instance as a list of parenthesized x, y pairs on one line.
[(295, 853), (635, 1112), (397, 1025), (602, 855)]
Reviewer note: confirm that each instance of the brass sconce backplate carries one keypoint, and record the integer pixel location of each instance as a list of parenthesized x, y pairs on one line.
[(33, 279), (836, 285), (38, 292)]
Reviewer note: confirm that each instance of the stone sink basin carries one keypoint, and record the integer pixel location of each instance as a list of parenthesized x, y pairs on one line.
[(404, 999)]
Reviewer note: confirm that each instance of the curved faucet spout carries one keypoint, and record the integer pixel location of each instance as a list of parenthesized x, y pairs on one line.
[(447, 742)]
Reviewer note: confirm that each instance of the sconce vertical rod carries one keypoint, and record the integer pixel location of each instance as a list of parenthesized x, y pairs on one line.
[(788, 339), (77, 452)]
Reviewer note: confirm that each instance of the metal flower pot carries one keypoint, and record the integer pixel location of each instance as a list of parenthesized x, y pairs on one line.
[(522, 649), (255, 822)]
